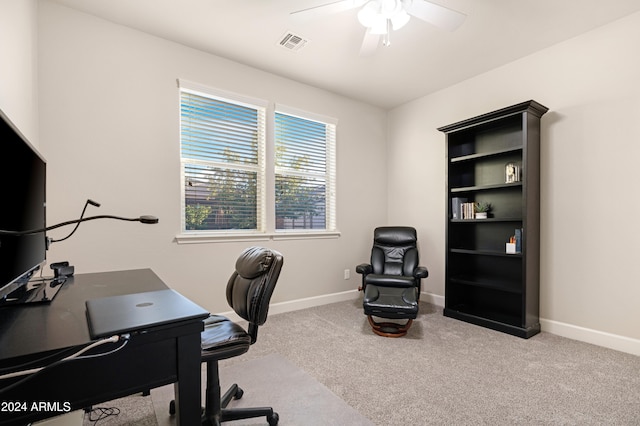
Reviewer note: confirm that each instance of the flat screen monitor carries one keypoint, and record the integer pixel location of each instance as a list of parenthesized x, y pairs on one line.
[(22, 208)]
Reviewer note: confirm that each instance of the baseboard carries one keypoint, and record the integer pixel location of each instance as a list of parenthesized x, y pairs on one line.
[(434, 299), (307, 302), (570, 331), (595, 337), (599, 338), (325, 299)]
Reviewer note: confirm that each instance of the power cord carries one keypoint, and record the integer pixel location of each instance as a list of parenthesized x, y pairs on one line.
[(38, 361), (124, 337), (102, 413), (77, 355)]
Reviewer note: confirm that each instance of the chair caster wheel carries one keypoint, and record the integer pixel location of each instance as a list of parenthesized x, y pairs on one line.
[(238, 394), (172, 408), (273, 419)]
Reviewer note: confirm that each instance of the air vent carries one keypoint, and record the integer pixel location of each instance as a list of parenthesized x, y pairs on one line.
[(291, 41)]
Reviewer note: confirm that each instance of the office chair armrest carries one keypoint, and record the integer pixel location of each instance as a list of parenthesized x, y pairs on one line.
[(420, 272), (364, 269)]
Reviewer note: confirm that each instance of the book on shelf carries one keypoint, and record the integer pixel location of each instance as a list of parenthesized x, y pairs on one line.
[(518, 236), (515, 242), (456, 207), (468, 210)]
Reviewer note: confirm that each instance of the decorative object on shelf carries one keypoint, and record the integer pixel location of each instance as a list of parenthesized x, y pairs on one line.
[(511, 245), (482, 209), (511, 173), (515, 243)]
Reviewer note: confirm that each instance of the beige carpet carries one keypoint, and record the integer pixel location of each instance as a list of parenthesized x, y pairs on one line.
[(444, 372), (271, 381)]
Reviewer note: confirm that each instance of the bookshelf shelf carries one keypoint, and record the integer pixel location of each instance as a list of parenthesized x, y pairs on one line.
[(488, 220), (503, 286), (485, 252), (485, 154), (485, 285), (488, 187)]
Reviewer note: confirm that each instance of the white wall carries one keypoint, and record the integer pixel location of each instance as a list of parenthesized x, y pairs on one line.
[(590, 149), (109, 129), (108, 108), (18, 65)]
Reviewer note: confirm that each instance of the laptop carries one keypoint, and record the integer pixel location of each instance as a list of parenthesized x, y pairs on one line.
[(128, 313)]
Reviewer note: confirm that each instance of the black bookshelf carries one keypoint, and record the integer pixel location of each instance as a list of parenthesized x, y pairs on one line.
[(484, 284)]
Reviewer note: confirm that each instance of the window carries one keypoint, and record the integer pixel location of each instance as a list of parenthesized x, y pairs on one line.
[(304, 173), (222, 152), (240, 181)]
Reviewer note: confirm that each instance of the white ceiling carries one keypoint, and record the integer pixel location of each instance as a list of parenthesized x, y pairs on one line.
[(421, 59)]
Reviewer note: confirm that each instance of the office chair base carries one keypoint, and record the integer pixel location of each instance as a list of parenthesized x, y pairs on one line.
[(389, 329), (217, 412), (228, 414), (233, 414), (246, 413)]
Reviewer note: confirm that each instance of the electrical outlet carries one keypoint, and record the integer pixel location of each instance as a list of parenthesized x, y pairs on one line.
[(347, 274)]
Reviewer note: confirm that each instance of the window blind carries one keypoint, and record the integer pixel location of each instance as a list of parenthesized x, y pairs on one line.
[(222, 154), (304, 173)]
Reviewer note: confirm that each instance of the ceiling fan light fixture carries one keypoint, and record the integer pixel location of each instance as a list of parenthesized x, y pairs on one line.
[(369, 13), (381, 17), (390, 8), (370, 17), (379, 28), (376, 14), (400, 20)]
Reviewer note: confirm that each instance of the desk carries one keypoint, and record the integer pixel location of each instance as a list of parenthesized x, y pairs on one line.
[(156, 357)]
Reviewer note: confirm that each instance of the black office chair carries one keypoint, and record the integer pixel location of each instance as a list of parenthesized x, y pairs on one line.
[(392, 281), (249, 291)]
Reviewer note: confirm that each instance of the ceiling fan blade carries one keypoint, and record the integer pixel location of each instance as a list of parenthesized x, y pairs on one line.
[(327, 9), (435, 14), (369, 43)]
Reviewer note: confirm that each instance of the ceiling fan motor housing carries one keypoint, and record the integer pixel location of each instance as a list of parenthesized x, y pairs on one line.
[(377, 14)]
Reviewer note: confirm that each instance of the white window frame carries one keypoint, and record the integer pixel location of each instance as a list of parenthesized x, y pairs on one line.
[(330, 173), (266, 221)]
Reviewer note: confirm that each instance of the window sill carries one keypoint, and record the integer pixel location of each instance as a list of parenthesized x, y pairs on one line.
[(210, 237)]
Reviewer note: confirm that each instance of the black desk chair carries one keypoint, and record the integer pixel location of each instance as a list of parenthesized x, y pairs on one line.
[(391, 282), (249, 291)]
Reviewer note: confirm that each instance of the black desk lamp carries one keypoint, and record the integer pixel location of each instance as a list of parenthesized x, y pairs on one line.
[(37, 293), (142, 219)]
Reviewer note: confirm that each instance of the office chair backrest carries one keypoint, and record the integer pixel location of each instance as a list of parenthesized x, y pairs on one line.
[(250, 287), (394, 250)]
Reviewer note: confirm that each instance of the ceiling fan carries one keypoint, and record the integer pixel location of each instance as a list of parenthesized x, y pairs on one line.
[(379, 17)]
